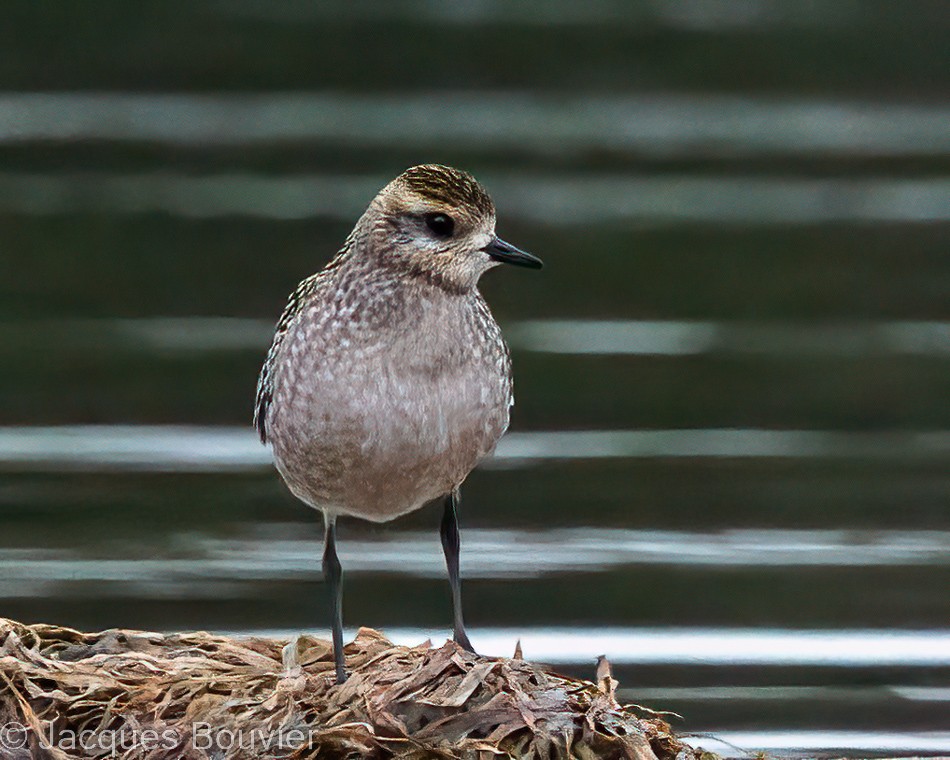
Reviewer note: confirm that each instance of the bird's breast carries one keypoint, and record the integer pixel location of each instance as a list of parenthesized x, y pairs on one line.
[(376, 425)]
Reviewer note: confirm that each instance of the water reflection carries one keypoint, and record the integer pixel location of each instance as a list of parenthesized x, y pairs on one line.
[(671, 338), (571, 200), (201, 562), (684, 14), (661, 125), (786, 742), (696, 646), (182, 448), (629, 337)]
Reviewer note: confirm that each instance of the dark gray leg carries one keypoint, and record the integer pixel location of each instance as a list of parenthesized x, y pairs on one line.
[(333, 574), (450, 545)]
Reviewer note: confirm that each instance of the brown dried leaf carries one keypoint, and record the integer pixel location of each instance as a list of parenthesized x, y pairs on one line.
[(460, 693), (409, 702)]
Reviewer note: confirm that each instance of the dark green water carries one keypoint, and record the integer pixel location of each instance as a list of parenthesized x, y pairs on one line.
[(732, 377)]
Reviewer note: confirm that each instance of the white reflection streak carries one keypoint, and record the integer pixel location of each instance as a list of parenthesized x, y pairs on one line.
[(553, 336), (696, 646), (518, 554), (488, 554), (683, 338), (563, 201), (784, 741), (173, 448), (684, 14), (660, 125)]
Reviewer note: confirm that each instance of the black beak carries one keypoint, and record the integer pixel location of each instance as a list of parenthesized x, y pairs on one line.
[(506, 253)]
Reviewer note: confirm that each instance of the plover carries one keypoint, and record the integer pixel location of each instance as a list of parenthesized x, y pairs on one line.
[(388, 379)]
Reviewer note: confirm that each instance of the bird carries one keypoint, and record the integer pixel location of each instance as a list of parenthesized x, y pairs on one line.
[(388, 379)]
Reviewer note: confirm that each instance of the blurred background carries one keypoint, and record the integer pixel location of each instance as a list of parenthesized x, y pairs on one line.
[(728, 465)]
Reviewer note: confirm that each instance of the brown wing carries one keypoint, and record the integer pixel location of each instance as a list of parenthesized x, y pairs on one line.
[(265, 381), (305, 290)]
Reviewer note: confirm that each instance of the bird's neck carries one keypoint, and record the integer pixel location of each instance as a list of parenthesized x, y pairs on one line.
[(402, 274)]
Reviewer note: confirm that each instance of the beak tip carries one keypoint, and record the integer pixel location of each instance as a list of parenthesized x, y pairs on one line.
[(506, 253)]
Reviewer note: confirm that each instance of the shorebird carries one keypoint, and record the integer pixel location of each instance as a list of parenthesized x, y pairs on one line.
[(388, 379)]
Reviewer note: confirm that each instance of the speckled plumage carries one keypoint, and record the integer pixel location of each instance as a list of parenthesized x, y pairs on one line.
[(388, 379)]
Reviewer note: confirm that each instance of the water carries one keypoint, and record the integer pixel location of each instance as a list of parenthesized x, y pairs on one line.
[(663, 125), (728, 465)]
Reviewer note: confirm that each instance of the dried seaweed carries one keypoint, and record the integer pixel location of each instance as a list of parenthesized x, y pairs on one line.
[(193, 696)]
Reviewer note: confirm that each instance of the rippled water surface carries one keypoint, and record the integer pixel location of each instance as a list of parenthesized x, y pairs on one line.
[(729, 463)]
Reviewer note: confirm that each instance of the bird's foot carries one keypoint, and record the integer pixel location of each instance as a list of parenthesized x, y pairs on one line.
[(461, 638)]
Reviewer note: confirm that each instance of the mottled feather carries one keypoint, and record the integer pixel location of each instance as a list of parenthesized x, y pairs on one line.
[(306, 290), (388, 379)]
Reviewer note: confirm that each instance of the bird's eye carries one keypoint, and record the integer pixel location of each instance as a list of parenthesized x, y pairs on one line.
[(441, 225)]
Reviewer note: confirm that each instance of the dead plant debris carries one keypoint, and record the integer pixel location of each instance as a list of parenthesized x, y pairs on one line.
[(194, 696)]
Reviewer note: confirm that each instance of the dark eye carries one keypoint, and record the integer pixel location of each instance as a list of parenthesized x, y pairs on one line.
[(441, 225)]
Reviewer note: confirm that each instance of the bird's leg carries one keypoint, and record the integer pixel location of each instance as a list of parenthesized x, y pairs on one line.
[(333, 574), (450, 545)]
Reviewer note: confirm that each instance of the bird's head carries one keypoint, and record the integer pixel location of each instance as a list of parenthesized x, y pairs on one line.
[(438, 223)]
